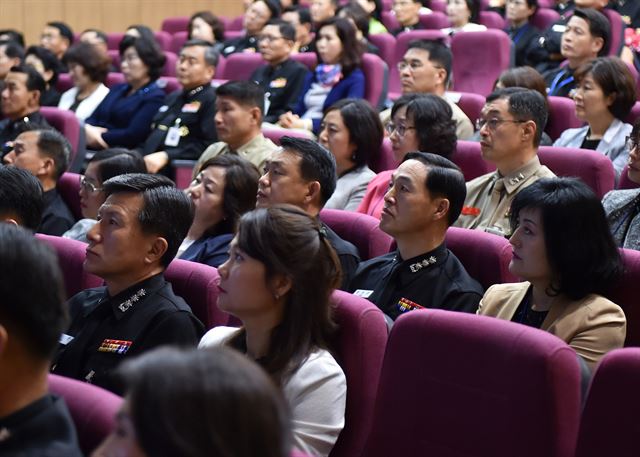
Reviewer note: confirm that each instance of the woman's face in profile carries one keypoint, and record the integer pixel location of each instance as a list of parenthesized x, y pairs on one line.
[(403, 137), (529, 260), (91, 194), (122, 442), (201, 30), (207, 194), (458, 12)]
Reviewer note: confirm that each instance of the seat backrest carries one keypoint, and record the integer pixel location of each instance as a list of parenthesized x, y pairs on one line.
[(593, 168), (478, 60), (543, 18), (197, 284), (625, 182), (64, 82), (67, 123), (438, 5), (361, 230), (169, 84), (435, 21), (469, 158), (389, 20), (308, 59), (456, 384), (384, 160), (386, 44), (471, 104), (163, 39), (178, 39), (625, 294), (617, 31), (375, 79), (562, 116), (610, 420), (491, 20), (235, 24), (114, 79), (114, 39), (241, 65), (71, 255), (93, 409), (173, 25), (276, 135), (485, 256), (360, 343), (69, 188), (634, 114), (170, 63)]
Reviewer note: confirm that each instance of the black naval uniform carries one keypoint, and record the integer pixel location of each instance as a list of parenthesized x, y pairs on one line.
[(436, 280), (523, 38), (408, 28), (191, 112), (106, 330), (560, 82), (42, 428), (57, 218), (240, 44), (544, 55), (347, 254), (9, 130), (283, 83)]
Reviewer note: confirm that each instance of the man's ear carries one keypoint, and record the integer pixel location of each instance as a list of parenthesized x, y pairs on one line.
[(48, 167), (256, 115), (34, 98), (597, 44), (528, 131), (313, 191), (442, 209), (156, 250)]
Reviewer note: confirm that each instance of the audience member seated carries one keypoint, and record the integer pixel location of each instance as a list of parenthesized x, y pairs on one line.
[(586, 37), (45, 154), (630, 12), (605, 94), (11, 55), (183, 127), (12, 35), (238, 120), (425, 68), (373, 8), (141, 31), (57, 37), (21, 198), (223, 191), (510, 127), (32, 317), (46, 63), (283, 253), (303, 174), (463, 15), (407, 14), (300, 18), (352, 132), (123, 119), (337, 76), (322, 10), (88, 68), (102, 166), (425, 197), (564, 7), (563, 250), (205, 26), (255, 18), (20, 103), (141, 225), (360, 20), (419, 123), (522, 33), (281, 78), (198, 404), (623, 206), (94, 37)]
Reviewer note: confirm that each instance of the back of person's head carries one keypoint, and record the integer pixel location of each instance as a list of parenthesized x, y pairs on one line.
[(240, 189), (285, 28), (525, 77), (49, 61), (246, 93), (166, 211), (524, 105), (274, 7), (141, 31), (304, 15), (364, 126), (12, 35), (21, 197), (316, 164), (64, 30), (117, 161), (291, 243), (444, 179), (599, 26), (211, 56), (149, 52), (95, 63), (34, 79), (358, 15), (12, 50), (581, 252), (616, 81), (439, 53), (217, 26), (32, 308), (351, 56)]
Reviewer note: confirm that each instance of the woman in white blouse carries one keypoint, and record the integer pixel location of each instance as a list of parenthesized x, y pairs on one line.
[(463, 15)]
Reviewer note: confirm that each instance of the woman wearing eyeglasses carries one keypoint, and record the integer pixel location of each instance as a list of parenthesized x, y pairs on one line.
[(418, 123), (604, 96), (102, 166)]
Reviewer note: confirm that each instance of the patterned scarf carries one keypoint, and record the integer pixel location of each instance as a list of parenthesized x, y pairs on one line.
[(328, 75)]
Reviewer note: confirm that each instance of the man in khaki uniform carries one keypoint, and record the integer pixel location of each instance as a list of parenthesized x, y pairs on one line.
[(510, 127), (238, 119)]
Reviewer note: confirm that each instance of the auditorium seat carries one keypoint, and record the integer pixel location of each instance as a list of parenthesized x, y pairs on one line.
[(485, 256), (478, 60), (469, 158), (114, 39), (617, 31), (610, 421), (384, 160), (471, 104), (170, 63), (625, 182), (625, 294), (308, 59), (178, 39), (69, 189), (634, 115), (376, 79), (234, 24), (64, 82), (543, 18), (67, 123), (276, 135), (434, 21), (562, 116), (173, 25), (241, 65), (231, 34), (360, 344), (457, 384), (438, 5), (163, 39), (93, 409), (491, 20), (386, 44), (361, 230), (169, 84), (113, 79)]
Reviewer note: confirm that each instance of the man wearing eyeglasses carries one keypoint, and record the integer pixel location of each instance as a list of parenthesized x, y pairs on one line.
[(510, 127), (255, 18), (281, 78), (45, 154), (407, 14)]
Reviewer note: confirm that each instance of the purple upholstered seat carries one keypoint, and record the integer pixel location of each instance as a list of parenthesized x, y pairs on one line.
[(173, 25), (625, 294), (64, 82), (471, 104), (616, 42), (276, 135), (67, 123), (457, 384), (169, 84), (625, 182), (469, 158), (241, 65), (92, 409), (170, 63), (113, 79), (435, 21), (308, 59), (178, 39), (562, 116), (375, 75), (634, 114), (491, 20), (69, 188), (384, 160), (386, 44), (543, 18), (114, 39)]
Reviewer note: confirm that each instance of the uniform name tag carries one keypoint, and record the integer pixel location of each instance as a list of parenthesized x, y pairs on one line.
[(559, 28), (173, 137), (65, 339), (363, 293)]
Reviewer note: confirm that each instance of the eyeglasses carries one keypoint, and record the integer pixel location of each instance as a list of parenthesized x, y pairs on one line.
[(412, 65), (494, 123), (399, 129), (631, 143), (268, 38), (89, 186)]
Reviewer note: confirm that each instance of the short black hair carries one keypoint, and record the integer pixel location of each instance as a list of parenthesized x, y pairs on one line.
[(21, 196), (64, 29), (166, 211), (274, 7), (32, 307), (144, 31), (53, 144), (49, 61), (287, 30), (149, 52), (95, 63), (117, 161), (524, 105), (316, 164), (304, 15), (582, 254), (35, 81), (439, 53), (13, 35), (99, 33), (444, 179), (598, 26), (246, 93), (13, 50), (211, 56)]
